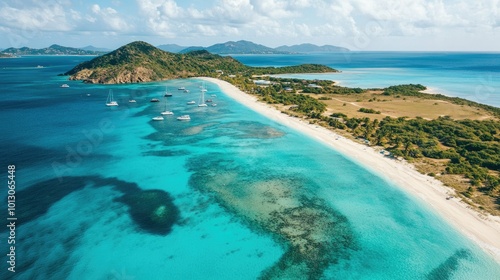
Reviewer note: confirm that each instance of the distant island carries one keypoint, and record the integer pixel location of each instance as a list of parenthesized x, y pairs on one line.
[(52, 50), (95, 49), (311, 48), (142, 62), (227, 48), (238, 47), (247, 47)]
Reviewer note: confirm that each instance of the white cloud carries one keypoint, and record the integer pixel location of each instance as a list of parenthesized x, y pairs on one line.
[(271, 21), (276, 9), (408, 17), (108, 20), (50, 16), (171, 10), (96, 9)]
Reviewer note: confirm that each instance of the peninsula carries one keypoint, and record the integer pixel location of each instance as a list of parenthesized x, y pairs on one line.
[(142, 62)]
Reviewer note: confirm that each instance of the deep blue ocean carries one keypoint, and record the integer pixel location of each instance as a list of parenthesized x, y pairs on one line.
[(254, 198)]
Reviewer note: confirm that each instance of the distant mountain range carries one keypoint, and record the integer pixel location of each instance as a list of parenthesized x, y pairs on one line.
[(173, 48), (96, 49), (310, 48), (231, 47), (247, 47), (52, 50), (240, 47)]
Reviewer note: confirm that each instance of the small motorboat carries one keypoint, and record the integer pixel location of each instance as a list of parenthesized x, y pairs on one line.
[(184, 118)]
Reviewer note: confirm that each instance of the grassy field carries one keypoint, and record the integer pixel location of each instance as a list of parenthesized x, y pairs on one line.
[(452, 139), (410, 107)]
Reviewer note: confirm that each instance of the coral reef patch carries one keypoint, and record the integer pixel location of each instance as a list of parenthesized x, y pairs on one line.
[(153, 210), (447, 268), (313, 234)]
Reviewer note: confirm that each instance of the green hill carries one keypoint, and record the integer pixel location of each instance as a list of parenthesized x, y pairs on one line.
[(142, 62)]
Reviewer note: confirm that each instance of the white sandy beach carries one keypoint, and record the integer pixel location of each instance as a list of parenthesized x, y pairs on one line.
[(484, 230)]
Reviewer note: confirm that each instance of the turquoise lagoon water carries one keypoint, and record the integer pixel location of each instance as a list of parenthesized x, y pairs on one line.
[(474, 76), (76, 158)]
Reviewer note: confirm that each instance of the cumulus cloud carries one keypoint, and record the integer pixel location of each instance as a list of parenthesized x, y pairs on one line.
[(405, 17), (60, 16), (108, 19), (50, 16), (244, 19)]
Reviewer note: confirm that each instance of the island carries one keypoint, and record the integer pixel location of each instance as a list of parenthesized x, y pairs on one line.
[(141, 62), (247, 47), (52, 50)]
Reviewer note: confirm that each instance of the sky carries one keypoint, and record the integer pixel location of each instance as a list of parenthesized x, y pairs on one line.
[(360, 25)]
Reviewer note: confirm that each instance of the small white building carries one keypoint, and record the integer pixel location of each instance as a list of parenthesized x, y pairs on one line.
[(262, 82), (314, 86)]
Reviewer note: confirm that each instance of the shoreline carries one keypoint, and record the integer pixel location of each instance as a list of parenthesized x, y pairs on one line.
[(482, 229)]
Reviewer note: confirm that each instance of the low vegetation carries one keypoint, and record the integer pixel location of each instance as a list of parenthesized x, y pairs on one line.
[(464, 153)]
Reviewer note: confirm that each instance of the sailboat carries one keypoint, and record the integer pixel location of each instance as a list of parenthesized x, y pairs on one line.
[(110, 101), (167, 94), (166, 112), (202, 97)]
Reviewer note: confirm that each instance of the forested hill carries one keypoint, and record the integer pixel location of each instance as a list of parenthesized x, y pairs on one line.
[(142, 62), (52, 50)]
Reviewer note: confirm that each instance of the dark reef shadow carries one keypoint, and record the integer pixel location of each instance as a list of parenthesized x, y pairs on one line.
[(35, 200)]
